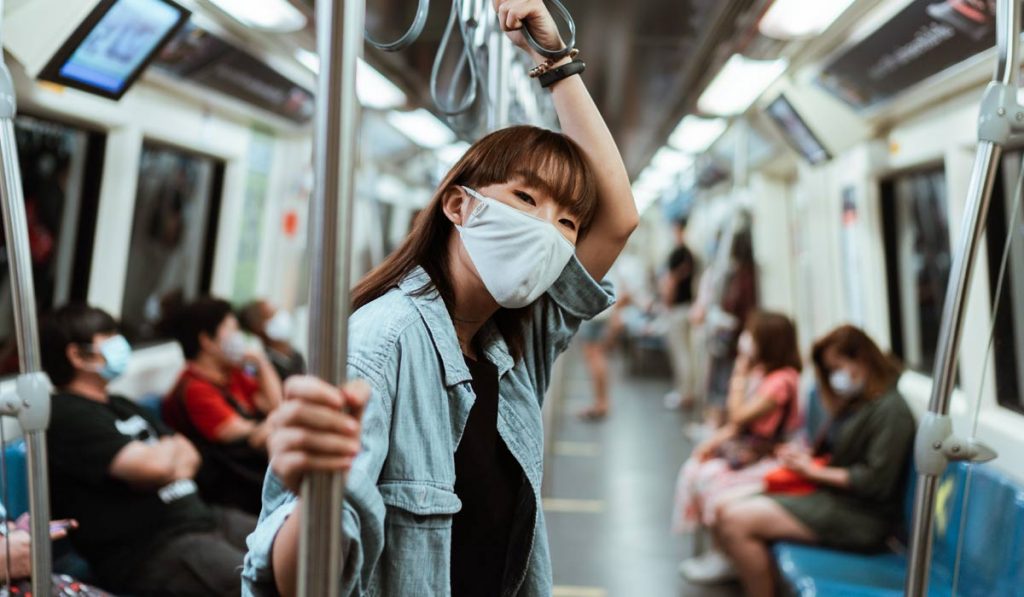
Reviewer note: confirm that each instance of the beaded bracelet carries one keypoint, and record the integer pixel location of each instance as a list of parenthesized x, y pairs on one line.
[(544, 67)]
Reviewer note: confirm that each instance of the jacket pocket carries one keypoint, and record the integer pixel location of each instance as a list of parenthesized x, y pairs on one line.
[(417, 535)]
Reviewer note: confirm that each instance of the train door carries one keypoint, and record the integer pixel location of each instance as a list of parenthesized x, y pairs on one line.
[(173, 236), (915, 220)]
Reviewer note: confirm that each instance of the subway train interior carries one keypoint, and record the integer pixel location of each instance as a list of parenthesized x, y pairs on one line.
[(651, 298)]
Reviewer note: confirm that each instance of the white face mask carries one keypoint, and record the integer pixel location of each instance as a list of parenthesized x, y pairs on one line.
[(746, 345), (280, 327), (517, 255), (843, 384), (233, 347)]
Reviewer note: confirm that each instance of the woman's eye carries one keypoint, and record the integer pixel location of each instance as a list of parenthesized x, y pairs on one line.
[(568, 224), (526, 198)]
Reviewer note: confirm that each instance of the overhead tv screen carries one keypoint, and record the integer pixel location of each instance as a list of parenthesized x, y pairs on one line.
[(796, 131), (110, 49)]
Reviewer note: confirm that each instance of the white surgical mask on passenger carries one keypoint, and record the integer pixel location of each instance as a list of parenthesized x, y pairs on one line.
[(116, 353), (280, 327), (746, 345), (843, 384), (518, 256), (233, 347)]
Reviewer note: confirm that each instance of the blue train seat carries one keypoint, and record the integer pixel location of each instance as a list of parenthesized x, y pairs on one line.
[(14, 488), (992, 560), (152, 402)]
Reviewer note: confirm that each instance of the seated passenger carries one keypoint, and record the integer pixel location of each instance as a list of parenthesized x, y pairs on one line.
[(221, 402), (761, 408), (273, 326), (16, 563), (856, 501), (125, 477)]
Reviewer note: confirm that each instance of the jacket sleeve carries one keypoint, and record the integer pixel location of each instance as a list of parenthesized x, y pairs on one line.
[(575, 297), (891, 436), (362, 518)]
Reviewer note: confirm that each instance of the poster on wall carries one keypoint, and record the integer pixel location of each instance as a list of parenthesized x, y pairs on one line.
[(852, 280), (925, 38)]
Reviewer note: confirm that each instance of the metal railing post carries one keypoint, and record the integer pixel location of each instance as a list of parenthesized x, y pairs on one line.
[(936, 443), (339, 44), (34, 411)]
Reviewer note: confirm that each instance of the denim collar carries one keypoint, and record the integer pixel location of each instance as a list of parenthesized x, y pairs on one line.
[(439, 323)]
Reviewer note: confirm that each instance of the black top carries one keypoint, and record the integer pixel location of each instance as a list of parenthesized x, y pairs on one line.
[(120, 526), (682, 265), (487, 480)]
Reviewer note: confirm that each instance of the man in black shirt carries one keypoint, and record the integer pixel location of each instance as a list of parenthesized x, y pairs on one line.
[(126, 477), (677, 295)]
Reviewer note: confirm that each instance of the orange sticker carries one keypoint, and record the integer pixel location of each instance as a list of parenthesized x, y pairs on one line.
[(291, 223)]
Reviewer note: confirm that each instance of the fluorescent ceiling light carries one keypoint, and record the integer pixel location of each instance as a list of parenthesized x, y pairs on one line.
[(374, 89), (270, 15), (738, 85), (671, 160), (695, 134), (796, 19), (422, 127)]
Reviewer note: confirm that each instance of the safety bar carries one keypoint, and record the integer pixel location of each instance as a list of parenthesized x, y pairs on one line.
[(339, 44), (936, 444), (33, 405)]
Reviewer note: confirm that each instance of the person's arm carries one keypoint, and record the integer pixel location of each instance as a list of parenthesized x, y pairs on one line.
[(616, 216), (722, 435), (737, 386), (238, 428), (146, 465), (269, 395), (19, 543), (186, 458)]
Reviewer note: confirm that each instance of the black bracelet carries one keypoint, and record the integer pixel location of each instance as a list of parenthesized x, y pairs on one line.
[(562, 72)]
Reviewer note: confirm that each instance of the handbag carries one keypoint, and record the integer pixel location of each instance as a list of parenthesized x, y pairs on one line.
[(786, 481)]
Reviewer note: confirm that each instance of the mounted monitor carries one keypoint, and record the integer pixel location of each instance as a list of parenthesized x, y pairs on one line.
[(113, 45), (796, 132)]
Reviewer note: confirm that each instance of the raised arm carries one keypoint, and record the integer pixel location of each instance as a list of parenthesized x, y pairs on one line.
[(616, 216)]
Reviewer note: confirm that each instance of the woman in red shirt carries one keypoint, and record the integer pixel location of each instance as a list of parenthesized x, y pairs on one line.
[(221, 401)]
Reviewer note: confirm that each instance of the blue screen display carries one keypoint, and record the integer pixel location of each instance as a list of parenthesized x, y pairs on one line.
[(119, 43)]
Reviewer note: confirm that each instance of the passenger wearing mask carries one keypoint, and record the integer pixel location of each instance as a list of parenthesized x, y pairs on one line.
[(221, 401), (274, 327), (455, 335), (762, 408), (677, 294), (125, 477), (857, 468)]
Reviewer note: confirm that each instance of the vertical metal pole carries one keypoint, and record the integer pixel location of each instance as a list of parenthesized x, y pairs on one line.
[(497, 78), (15, 224), (979, 197), (339, 44), (944, 375)]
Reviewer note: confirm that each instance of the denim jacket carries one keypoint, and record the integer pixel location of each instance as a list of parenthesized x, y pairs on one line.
[(400, 496)]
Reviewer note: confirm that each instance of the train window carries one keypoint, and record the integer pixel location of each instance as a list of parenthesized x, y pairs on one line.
[(61, 170), (173, 235), (918, 258), (1008, 343)]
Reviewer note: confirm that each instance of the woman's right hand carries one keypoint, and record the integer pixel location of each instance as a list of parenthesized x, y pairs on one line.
[(316, 428)]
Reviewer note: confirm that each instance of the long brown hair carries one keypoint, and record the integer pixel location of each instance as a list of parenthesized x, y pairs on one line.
[(774, 336), (882, 371), (548, 161)]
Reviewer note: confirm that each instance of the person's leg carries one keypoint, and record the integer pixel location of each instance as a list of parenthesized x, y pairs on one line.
[(234, 526), (744, 530), (192, 565), (677, 354), (597, 365)]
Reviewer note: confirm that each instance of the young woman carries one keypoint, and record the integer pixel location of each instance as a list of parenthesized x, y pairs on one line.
[(454, 339), (762, 408), (867, 443)]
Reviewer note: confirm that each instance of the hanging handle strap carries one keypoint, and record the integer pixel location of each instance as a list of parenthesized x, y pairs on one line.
[(559, 9), (411, 34)]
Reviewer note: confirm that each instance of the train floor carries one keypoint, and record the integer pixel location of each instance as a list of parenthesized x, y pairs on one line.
[(609, 488)]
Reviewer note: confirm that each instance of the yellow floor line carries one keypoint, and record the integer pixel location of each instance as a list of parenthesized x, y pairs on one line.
[(567, 591), (573, 506), (584, 449)]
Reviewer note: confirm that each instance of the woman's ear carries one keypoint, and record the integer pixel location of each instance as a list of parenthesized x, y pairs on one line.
[(74, 354), (453, 203)]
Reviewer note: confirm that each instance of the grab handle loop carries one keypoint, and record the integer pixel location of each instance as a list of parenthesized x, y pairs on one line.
[(559, 9), (411, 34)]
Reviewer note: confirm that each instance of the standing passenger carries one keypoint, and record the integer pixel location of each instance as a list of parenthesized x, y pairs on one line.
[(455, 335), (677, 295), (125, 477), (221, 401)]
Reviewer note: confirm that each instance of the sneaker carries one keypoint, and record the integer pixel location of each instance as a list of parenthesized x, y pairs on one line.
[(673, 400), (711, 568)]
